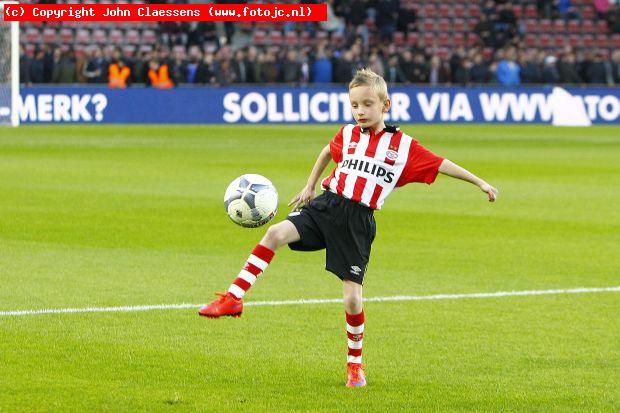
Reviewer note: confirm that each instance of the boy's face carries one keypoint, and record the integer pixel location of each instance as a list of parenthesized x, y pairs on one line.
[(368, 108)]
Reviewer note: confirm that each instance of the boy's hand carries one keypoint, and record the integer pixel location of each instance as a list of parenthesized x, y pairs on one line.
[(306, 195), (491, 191)]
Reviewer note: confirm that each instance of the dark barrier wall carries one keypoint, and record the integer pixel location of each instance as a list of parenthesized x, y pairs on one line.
[(569, 107)]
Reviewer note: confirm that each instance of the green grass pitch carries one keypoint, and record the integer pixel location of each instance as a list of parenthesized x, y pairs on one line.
[(127, 216)]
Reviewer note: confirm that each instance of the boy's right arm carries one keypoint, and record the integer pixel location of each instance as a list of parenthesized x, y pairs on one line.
[(308, 192)]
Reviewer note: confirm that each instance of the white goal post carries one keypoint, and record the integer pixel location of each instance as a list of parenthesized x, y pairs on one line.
[(9, 69)]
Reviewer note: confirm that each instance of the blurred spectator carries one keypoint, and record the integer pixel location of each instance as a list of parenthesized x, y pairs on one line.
[(407, 18), (243, 72), (36, 67), (343, 68), (178, 67), (485, 29), (95, 68), (550, 73), (25, 61), (158, 75), (420, 69), (387, 15), (322, 69), (615, 64), (375, 63), (479, 71), (568, 70), (290, 70), (599, 72), (333, 22), (601, 7), (393, 72), (269, 67), (439, 72), (507, 69), (205, 73), (118, 72), (530, 72), (64, 66)]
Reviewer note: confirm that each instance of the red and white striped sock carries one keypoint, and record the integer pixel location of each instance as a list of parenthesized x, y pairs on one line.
[(257, 263), (355, 335)]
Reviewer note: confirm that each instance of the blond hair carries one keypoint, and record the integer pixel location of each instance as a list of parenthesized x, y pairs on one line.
[(366, 77)]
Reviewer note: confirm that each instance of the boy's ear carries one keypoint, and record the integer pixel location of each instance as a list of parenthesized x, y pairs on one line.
[(387, 105)]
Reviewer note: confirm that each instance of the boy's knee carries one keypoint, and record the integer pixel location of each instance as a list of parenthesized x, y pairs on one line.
[(353, 302), (275, 235)]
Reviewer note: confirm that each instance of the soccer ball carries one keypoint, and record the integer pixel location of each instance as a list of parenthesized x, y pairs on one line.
[(251, 200)]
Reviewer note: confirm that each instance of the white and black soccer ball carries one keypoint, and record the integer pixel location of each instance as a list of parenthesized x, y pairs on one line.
[(251, 200)]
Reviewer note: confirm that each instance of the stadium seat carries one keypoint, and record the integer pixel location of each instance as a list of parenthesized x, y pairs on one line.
[(601, 26), (444, 39), (574, 40), (49, 35), (602, 40), (99, 36), (544, 26), (412, 38), (306, 39), (530, 11), (531, 26), (473, 10), (444, 26), (430, 11), (544, 40), (587, 12), (399, 38), (559, 26), (259, 37), (66, 36), (275, 37), (587, 26), (149, 36), (291, 38), (132, 37), (444, 10), (82, 36), (459, 11), (458, 39), (559, 41), (458, 25), (129, 51), (517, 10), (572, 26), (33, 35), (115, 37), (615, 41), (428, 25), (473, 39), (531, 40), (587, 41)]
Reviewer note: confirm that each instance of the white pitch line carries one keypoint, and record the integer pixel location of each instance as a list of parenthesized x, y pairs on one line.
[(125, 309)]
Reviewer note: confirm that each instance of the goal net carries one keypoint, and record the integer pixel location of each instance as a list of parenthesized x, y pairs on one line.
[(9, 69)]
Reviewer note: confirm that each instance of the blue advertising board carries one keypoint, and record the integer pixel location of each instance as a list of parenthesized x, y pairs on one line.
[(238, 105)]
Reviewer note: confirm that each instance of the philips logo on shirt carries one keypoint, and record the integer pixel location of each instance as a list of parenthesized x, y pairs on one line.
[(369, 168)]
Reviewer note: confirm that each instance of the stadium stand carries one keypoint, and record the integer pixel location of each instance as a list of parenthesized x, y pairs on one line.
[(457, 31)]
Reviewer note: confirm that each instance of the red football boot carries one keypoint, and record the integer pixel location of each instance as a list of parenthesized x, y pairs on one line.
[(355, 375), (226, 305)]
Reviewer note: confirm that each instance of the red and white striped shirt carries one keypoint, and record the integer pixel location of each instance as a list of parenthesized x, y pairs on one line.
[(371, 165)]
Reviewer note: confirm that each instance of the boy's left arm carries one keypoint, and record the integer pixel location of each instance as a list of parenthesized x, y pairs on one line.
[(449, 168)]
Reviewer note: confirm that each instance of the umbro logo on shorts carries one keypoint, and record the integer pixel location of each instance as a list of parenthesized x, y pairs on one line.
[(355, 270)]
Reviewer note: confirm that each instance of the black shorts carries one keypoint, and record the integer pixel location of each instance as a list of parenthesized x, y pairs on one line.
[(344, 228)]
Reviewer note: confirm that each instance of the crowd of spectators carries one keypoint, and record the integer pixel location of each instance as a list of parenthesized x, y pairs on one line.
[(357, 33)]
